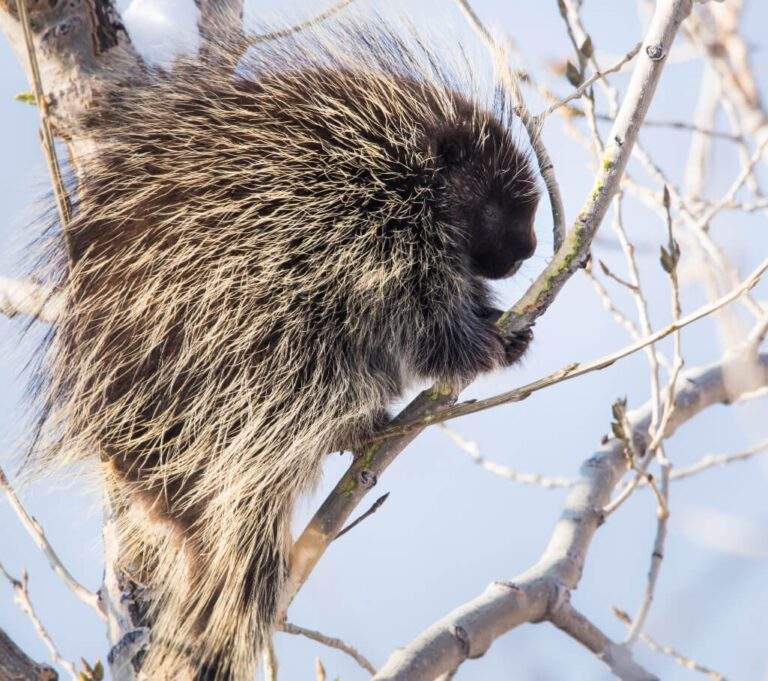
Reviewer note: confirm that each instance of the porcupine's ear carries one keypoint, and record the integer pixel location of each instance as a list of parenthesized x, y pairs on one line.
[(450, 147)]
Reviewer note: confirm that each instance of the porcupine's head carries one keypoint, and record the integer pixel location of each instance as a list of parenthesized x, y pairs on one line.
[(486, 189), (410, 132)]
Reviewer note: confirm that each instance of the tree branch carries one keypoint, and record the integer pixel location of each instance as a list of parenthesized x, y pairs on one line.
[(16, 665), (535, 594), (362, 474), (81, 48), (331, 642), (572, 370), (676, 655), (21, 296), (21, 596), (37, 533), (618, 658)]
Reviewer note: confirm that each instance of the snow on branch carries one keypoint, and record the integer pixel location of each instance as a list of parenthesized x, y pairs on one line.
[(21, 296)]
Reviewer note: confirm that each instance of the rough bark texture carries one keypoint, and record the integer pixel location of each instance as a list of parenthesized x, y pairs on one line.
[(81, 47), (15, 665)]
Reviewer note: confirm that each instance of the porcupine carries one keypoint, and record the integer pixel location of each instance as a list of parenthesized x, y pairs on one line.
[(262, 259)]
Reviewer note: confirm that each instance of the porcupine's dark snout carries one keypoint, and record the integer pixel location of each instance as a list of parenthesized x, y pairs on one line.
[(502, 239)]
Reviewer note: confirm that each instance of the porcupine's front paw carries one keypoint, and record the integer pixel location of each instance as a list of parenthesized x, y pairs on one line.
[(515, 345), (355, 438)]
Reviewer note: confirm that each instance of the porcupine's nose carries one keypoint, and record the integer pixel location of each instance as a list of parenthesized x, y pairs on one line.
[(525, 244)]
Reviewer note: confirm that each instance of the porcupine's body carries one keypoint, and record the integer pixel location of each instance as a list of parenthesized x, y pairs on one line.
[(262, 261)]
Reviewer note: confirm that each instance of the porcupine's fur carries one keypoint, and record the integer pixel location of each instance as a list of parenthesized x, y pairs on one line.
[(262, 261)]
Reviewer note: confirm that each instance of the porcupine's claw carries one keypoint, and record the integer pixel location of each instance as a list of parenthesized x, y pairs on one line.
[(516, 344)]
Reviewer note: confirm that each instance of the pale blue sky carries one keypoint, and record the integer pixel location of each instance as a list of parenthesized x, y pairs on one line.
[(448, 527)]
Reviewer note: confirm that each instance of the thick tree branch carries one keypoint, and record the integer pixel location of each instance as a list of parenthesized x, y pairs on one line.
[(536, 594), (81, 48), (16, 665)]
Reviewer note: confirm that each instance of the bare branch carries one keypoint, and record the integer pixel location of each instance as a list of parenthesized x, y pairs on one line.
[(46, 135), (572, 370), (669, 261), (37, 533), (618, 658), (21, 596), (712, 460), (598, 75), (736, 185), (661, 32), (20, 296), (16, 665), (375, 506), (675, 125), (504, 471), (331, 642), (534, 595), (678, 657), (634, 288)]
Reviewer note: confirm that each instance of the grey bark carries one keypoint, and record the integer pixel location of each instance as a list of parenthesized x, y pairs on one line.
[(16, 665)]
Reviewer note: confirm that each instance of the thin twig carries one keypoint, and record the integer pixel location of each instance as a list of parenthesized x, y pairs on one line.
[(374, 507), (504, 471), (598, 75), (610, 305), (622, 282), (678, 657), (49, 147), (737, 184), (329, 641), (21, 596), (298, 28), (676, 125), (576, 369), (37, 533), (713, 460), (670, 258), (752, 207), (641, 302)]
